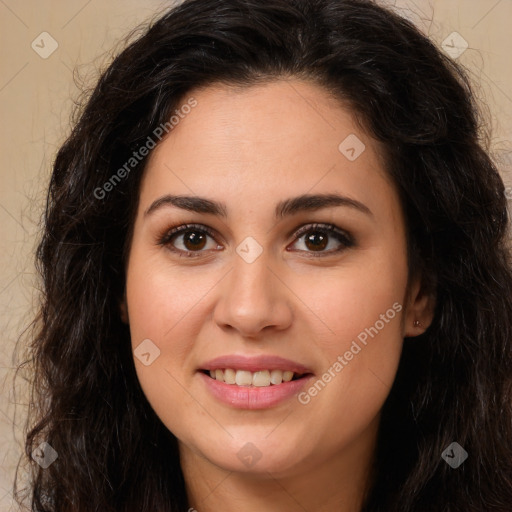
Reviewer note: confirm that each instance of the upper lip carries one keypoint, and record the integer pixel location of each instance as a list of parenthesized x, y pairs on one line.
[(255, 363)]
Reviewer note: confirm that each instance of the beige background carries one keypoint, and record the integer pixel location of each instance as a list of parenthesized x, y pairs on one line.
[(36, 97)]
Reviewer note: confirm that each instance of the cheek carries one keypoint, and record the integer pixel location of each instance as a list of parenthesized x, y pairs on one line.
[(362, 308), (162, 303), (163, 299), (158, 302), (352, 298)]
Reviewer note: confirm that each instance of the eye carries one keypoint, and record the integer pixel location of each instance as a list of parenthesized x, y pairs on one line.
[(318, 237), (192, 238)]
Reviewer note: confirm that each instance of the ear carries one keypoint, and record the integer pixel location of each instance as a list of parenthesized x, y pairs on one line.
[(123, 309), (420, 309)]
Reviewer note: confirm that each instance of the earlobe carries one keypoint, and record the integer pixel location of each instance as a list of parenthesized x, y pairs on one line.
[(420, 310)]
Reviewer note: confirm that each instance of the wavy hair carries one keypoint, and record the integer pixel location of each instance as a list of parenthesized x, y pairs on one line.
[(454, 382)]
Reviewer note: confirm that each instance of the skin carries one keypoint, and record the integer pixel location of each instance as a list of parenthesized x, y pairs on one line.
[(251, 148)]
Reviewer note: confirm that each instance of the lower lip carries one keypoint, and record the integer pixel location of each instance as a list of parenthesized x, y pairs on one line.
[(246, 397)]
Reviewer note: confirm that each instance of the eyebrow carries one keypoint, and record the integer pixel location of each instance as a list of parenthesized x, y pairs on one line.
[(288, 207)]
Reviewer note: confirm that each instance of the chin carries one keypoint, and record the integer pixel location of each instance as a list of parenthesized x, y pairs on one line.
[(257, 456)]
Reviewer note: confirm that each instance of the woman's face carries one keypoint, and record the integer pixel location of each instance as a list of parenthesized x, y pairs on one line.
[(249, 297)]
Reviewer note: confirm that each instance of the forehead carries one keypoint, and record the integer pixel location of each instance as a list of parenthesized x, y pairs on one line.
[(255, 144)]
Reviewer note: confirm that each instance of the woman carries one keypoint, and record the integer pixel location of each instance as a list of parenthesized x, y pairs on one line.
[(275, 275)]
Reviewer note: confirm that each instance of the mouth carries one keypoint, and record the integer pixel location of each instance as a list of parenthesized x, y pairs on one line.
[(259, 379)]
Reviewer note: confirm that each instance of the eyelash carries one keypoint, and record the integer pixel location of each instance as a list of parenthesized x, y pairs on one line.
[(345, 238)]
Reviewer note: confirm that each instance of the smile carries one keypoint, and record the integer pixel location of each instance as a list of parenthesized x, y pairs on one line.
[(253, 382), (262, 378)]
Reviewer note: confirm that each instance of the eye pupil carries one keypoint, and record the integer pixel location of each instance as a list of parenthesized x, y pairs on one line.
[(318, 241), (194, 240)]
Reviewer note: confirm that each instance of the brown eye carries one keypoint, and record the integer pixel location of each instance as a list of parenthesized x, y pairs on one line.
[(194, 240), (316, 241), (189, 239), (318, 237)]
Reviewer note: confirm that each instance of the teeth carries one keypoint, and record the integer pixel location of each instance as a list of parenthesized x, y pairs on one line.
[(242, 378), (229, 376), (287, 376), (276, 376), (262, 378)]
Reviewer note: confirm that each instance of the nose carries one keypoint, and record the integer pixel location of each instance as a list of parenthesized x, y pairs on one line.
[(254, 298)]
